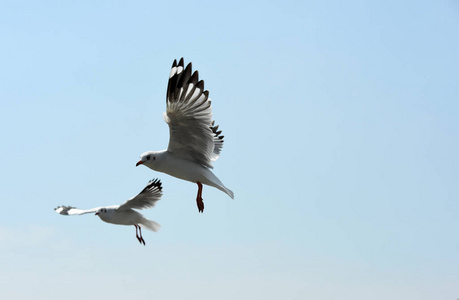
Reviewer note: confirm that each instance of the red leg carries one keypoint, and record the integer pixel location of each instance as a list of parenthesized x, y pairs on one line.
[(141, 238), (137, 235), (199, 198)]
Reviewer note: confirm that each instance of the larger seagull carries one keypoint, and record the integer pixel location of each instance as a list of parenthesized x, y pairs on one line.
[(195, 140)]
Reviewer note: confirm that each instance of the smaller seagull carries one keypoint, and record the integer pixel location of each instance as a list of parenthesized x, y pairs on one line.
[(125, 214)]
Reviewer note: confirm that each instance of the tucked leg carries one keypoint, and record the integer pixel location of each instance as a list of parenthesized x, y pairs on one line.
[(199, 198)]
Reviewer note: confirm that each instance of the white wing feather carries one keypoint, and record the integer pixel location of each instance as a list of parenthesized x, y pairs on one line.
[(193, 135), (69, 210)]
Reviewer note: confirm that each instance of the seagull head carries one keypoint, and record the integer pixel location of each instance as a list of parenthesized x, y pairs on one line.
[(148, 159), (101, 211), (107, 213)]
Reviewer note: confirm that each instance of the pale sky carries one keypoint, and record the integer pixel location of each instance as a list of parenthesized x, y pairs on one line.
[(341, 145)]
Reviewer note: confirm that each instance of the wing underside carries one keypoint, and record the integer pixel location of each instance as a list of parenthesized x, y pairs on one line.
[(193, 133), (146, 198), (70, 210)]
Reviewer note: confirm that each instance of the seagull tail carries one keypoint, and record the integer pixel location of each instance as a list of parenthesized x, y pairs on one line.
[(227, 191), (150, 225), (224, 189), (213, 180)]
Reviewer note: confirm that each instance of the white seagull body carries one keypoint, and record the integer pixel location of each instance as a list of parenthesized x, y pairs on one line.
[(194, 140), (125, 214)]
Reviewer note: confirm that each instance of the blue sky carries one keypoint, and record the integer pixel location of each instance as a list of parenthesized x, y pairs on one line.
[(341, 141)]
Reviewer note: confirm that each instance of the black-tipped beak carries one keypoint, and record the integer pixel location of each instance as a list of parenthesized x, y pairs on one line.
[(139, 163), (97, 213)]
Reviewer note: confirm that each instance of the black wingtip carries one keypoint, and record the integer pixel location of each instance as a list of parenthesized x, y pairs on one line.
[(194, 78), (217, 133), (155, 182), (174, 64), (184, 79), (181, 78), (65, 209), (189, 66), (200, 85)]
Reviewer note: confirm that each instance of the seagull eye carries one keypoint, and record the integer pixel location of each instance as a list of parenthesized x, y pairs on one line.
[(148, 157)]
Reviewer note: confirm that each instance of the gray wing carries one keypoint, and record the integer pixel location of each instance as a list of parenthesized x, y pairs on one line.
[(193, 134), (69, 210), (146, 198)]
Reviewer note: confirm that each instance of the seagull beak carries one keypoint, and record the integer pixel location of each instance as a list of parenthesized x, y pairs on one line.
[(139, 163), (97, 213)]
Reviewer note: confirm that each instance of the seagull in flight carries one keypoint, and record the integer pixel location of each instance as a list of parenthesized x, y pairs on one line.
[(195, 141), (125, 214)]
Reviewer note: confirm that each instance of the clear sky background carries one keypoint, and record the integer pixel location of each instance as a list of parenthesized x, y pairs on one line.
[(341, 146)]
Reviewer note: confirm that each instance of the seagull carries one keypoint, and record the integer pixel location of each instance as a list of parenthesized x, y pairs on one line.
[(195, 140), (125, 214)]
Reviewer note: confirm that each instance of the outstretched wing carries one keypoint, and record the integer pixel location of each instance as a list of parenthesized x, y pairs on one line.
[(146, 198), (193, 135), (69, 210)]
